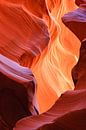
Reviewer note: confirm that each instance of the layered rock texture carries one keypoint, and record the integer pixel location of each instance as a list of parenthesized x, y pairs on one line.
[(43, 65), (69, 111), (17, 92), (76, 20)]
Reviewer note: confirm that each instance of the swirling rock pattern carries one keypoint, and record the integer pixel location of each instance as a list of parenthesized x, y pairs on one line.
[(29, 42), (33, 35), (76, 21), (17, 92), (26, 28), (69, 112)]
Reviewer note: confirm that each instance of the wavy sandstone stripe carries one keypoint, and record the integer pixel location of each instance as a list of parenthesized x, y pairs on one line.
[(69, 111), (18, 75), (22, 34), (57, 60), (26, 28), (32, 34), (17, 93)]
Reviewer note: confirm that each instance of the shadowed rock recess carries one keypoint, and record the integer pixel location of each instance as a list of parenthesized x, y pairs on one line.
[(42, 65)]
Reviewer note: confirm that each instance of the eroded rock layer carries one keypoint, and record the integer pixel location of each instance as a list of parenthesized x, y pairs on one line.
[(76, 21), (33, 35), (78, 2), (26, 28), (22, 34), (69, 111), (17, 92)]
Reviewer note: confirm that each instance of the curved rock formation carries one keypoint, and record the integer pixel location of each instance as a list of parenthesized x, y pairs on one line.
[(66, 114), (27, 27), (69, 111), (78, 72), (17, 92), (76, 21), (78, 2), (33, 35), (23, 31)]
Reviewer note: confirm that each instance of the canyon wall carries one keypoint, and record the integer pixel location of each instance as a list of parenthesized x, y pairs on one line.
[(36, 43)]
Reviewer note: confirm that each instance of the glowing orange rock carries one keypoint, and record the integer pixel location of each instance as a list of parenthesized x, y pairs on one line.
[(69, 111), (30, 27), (22, 35)]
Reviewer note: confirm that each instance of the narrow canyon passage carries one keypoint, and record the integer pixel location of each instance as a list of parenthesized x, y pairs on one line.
[(40, 43)]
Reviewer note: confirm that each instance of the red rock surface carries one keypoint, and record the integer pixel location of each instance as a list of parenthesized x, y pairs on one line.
[(26, 29), (78, 2), (17, 91), (76, 21), (69, 111), (33, 35), (22, 31)]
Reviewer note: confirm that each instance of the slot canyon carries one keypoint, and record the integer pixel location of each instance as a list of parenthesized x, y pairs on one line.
[(42, 64)]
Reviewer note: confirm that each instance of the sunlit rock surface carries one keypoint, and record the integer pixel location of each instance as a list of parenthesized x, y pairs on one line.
[(69, 112), (26, 28), (58, 58), (22, 34), (33, 35)]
